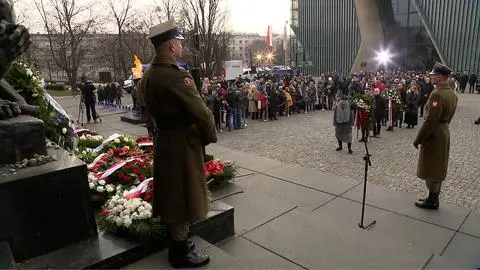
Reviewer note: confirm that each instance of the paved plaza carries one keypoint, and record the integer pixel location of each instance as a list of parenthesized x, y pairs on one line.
[(308, 140), (297, 201)]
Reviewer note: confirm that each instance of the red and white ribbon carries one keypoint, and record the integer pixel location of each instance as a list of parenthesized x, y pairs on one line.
[(103, 175), (138, 190)]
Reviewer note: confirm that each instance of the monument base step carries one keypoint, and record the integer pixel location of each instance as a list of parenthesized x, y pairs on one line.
[(132, 119), (109, 251)]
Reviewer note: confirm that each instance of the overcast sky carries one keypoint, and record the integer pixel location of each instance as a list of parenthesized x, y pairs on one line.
[(249, 16)]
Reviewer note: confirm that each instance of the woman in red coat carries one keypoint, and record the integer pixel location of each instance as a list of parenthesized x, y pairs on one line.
[(263, 105)]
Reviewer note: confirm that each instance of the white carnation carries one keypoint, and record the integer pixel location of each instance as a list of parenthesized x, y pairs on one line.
[(119, 221), (91, 185), (127, 222), (64, 130), (29, 72), (100, 189), (101, 182), (126, 139), (109, 188), (84, 152), (116, 141)]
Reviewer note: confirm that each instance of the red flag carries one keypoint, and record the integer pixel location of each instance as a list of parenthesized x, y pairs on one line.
[(269, 37)]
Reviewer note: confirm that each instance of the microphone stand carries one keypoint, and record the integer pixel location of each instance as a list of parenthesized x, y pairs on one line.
[(368, 163)]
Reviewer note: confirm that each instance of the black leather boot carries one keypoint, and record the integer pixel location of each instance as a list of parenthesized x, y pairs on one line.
[(431, 202), (350, 148), (339, 146), (180, 256)]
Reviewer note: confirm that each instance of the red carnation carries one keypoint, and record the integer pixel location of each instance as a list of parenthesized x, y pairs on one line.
[(148, 196), (105, 213)]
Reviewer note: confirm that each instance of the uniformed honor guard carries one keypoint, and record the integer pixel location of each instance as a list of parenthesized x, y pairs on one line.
[(434, 136), (183, 124)]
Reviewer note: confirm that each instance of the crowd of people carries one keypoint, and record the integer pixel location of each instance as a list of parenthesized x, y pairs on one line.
[(111, 93), (268, 97)]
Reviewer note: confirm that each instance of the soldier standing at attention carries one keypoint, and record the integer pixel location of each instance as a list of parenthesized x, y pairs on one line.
[(434, 136), (183, 124)]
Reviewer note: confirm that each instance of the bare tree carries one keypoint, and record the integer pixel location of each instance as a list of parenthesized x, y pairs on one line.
[(136, 32), (66, 24), (208, 19), (121, 12), (167, 9)]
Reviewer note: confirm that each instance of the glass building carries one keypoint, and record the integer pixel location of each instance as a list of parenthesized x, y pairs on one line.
[(345, 35)]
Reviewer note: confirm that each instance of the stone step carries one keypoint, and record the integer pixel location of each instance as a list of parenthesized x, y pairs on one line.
[(219, 258), (110, 251), (447, 262), (6, 258)]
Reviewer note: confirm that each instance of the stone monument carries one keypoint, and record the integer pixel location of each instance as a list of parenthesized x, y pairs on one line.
[(21, 134), (42, 208)]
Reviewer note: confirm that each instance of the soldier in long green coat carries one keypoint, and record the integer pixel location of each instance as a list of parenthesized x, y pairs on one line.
[(434, 136), (183, 124)]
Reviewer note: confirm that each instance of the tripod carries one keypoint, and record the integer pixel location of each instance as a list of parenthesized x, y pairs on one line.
[(367, 164), (81, 112)]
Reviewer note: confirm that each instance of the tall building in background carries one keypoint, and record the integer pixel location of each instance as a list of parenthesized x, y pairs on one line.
[(346, 35)]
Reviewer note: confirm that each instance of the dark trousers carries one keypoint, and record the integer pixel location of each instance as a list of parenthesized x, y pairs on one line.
[(422, 108), (91, 107), (377, 126), (472, 88)]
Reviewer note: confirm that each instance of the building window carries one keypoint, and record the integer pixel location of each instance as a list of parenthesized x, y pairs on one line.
[(241, 55), (240, 41), (241, 48)]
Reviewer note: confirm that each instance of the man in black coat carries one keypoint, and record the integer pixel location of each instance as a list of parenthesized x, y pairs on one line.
[(463, 81), (380, 108), (89, 100), (472, 81)]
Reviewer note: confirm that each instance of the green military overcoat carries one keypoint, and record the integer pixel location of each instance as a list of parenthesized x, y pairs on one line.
[(183, 124), (434, 135)]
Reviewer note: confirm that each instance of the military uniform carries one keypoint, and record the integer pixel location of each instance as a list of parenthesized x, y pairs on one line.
[(434, 138), (183, 124)]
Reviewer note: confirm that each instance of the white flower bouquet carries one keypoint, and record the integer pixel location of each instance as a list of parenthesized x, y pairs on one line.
[(132, 216), (89, 141)]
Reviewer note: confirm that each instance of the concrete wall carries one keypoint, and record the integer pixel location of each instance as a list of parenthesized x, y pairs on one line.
[(371, 32)]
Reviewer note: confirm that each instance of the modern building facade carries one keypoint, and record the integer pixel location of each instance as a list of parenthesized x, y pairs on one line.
[(346, 35)]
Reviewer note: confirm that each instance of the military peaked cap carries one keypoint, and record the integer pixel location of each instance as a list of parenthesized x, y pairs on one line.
[(163, 32), (441, 69)]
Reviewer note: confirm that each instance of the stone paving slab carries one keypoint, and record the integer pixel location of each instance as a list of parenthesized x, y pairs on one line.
[(449, 215), (312, 178), (252, 256), (443, 262), (465, 249), (330, 238), (472, 224), (254, 208), (215, 149), (251, 161), (285, 191)]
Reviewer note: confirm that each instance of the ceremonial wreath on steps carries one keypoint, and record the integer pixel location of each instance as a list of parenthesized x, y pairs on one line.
[(120, 176), (120, 168)]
